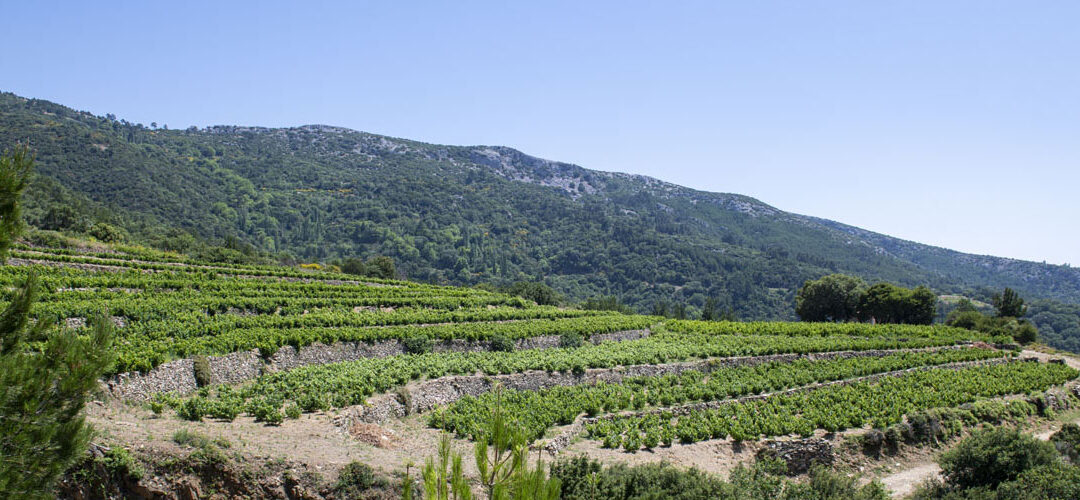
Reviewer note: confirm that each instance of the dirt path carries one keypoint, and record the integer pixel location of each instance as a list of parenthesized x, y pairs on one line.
[(904, 482)]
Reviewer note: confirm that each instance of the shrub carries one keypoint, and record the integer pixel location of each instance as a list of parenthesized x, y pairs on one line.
[(201, 366), (417, 345), (355, 478), (191, 409), (571, 340), (266, 411), (992, 456), (1067, 442), (1048, 481), (120, 463), (502, 343), (292, 411)]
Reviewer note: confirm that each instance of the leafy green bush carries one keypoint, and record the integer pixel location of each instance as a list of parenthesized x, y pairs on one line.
[(120, 463), (417, 345), (292, 411), (502, 343), (201, 367), (266, 411), (356, 478), (992, 456), (571, 340), (1067, 442)]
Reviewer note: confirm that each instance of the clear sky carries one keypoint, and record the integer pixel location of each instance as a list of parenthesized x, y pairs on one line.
[(950, 123)]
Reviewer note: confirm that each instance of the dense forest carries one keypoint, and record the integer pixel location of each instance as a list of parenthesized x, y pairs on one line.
[(464, 215)]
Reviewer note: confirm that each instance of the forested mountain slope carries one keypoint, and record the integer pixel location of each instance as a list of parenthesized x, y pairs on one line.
[(463, 215)]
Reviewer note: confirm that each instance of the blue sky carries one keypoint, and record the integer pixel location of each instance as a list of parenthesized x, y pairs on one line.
[(950, 123)]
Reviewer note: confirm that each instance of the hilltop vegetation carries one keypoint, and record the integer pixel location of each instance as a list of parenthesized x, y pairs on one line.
[(462, 215)]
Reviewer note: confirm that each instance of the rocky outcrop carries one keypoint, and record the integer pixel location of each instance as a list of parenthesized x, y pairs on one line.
[(798, 454)]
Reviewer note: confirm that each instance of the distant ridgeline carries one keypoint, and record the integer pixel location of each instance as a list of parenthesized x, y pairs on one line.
[(467, 215)]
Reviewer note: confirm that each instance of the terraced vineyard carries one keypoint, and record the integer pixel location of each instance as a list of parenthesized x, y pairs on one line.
[(215, 342)]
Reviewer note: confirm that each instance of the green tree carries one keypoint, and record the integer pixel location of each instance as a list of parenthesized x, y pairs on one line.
[(43, 390), (1009, 304), (888, 303), (45, 375), (16, 167), (381, 267), (536, 292), (832, 298)]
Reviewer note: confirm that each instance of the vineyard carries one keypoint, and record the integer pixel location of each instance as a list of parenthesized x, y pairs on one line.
[(436, 358)]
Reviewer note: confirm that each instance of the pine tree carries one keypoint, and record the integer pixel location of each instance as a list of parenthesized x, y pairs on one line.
[(16, 167), (46, 375)]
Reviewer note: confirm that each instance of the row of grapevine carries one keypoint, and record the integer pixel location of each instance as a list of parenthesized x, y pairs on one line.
[(537, 411), (350, 383), (143, 352), (878, 403)]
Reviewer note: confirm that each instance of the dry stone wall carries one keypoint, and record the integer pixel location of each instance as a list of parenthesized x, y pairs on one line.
[(427, 395), (179, 376)]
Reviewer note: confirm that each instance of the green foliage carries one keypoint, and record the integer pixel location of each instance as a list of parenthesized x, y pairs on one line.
[(832, 298), (888, 303), (292, 411), (417, 345), (585, 479), (444, 477), (538, 411), (350, 383), (607, 303), (537, 292), (45, 387), (379, 266), (119, 462), (1009, 304), (880, 403), (571, 340), (356, 478), (992, 456), (502, 343), (1067, 442), (1021, 331), (16, 167), (201, 367), (448, 214)]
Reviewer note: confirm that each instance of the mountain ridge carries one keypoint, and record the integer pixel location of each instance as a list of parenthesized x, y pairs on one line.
[(471, 214)]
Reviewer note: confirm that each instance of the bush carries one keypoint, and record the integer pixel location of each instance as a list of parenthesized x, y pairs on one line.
[(192, 409), (356, 478), (201, 366), (1026, 333), (106, 233), (571, 340), (266, 411), (1067, 442), (292, 411), (417, 345), (581, 479), (502, 343), (120, 463), (1048, 481), (992, 456)]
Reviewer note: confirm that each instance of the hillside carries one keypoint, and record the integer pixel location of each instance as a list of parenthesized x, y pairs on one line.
[(272, 382), (465, 215)]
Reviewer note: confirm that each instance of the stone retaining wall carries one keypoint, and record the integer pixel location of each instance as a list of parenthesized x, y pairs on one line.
[(427, 395), (179, 376)]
